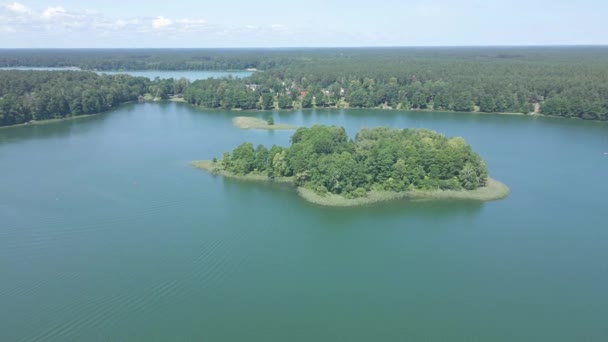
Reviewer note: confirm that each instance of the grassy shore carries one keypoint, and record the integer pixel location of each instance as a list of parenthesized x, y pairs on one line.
[(149, 97), (246, 122), (215, 169), (494, 190), (50, 121), (177, 99)]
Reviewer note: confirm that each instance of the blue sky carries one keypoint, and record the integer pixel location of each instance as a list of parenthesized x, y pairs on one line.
[(288, 23)]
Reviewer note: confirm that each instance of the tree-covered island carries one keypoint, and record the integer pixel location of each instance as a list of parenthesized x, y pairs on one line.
[(379, 164)]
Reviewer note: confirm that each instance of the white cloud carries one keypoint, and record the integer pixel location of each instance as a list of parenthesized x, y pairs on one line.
[(17, 8), (53, 12), (6, 29), (120, 23), (18, 19), (191, 21), (44, 24), (191, 24), (161, 22)]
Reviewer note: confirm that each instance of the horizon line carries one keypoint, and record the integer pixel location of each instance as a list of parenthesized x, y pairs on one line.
[(310, 47)]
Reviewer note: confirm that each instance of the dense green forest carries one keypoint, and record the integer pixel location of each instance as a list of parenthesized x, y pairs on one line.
[(561, 81), (567, 82), (41, 95), (144, 59), (323, 159)]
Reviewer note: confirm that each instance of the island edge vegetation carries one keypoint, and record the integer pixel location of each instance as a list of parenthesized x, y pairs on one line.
[(379, 164)]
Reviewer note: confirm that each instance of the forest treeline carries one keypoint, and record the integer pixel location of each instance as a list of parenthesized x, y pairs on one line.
[(143, 59), (569, 82), (40, 95), (561, 81), (324, 159)]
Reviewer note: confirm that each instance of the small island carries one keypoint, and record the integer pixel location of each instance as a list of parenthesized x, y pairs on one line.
[(380, 164), (246, 122)]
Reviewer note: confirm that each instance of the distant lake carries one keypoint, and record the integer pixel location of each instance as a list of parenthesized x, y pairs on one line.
[(38, 68), (108, 234), (191, 75)]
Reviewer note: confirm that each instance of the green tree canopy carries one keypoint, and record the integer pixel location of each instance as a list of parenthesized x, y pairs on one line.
[(324, 159)]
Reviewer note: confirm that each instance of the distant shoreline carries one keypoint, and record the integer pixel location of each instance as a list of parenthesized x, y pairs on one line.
[(494, 190), (182, 101), (67, 118), (284, 110), (289, 110)]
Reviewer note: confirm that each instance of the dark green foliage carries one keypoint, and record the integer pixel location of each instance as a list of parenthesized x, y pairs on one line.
[(319, 98), (285, 102), (144, 59), (561, 81), (261, 159), (570, 82), (40, 95), (357, 98), (243, 159), (322, 158), (487, 104), (267, 101), (307, 100)]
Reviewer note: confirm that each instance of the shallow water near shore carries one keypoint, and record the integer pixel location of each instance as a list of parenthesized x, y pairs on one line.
[(108, 233)]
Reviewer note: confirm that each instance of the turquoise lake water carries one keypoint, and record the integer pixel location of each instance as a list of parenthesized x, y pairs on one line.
[(108, 234)]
